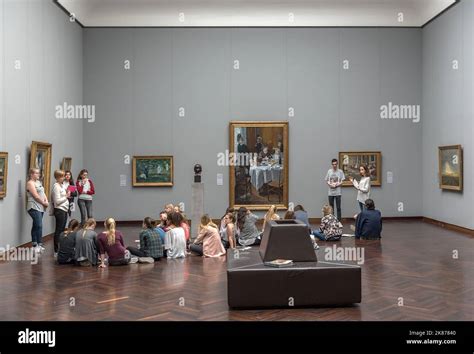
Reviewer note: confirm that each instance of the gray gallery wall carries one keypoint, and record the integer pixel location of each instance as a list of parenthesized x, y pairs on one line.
[(448, 106), (335, 109), (49, 48)]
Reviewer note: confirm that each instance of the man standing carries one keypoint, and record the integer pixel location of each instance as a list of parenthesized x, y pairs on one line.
[(334, 179)]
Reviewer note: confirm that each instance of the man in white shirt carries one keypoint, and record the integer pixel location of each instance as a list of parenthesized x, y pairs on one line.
[(334, 179)]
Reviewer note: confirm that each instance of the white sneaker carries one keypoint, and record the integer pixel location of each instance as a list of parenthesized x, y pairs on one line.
[(316, 247), (133, 260), (42, 248), (37, 249), (146, 260)]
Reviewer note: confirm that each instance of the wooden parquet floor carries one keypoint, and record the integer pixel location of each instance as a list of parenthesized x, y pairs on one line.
[(412, 264)]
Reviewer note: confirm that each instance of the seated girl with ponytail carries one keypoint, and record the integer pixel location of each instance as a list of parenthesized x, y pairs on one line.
[(111, 242), (67, 243)]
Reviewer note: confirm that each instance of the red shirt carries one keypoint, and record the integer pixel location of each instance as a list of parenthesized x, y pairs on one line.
[(80, 187)]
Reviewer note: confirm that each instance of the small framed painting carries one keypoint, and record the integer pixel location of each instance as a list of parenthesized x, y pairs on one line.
[(450, 167), (40, 158), (66, 164), (152, 171), (3, 174), (350, 162)]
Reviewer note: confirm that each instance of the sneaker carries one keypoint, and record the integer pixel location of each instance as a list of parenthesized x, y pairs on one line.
[(42, 248), (146, 260), (37, 249), (133, 260), (316, 247)]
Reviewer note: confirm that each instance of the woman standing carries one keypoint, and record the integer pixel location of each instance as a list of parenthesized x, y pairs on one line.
[(363, 186), (36, 205), (111, 242), (71, 187), (86, 190), (248, 232), (59, 198), (208, 243)]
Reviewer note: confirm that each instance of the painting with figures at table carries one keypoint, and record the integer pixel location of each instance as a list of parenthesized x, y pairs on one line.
[(350, 162), (258, 160)]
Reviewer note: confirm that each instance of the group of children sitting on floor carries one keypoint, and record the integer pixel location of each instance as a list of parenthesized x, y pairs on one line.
[(170, 236)]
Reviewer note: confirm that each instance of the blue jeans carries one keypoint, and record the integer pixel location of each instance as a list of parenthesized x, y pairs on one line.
[(37, 228), (317, 233), (361, 206)]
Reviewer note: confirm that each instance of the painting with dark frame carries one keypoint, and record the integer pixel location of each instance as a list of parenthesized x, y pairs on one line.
[(152, 171), (3, 174), (350, 162), (40, 158), (258, 163), (450, 167)]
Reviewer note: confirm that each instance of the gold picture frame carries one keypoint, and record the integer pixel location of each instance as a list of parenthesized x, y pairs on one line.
[(450, 167), (349, 163), (258, 164), (3, 174), (40, 157), (66, 164), (142, 175)]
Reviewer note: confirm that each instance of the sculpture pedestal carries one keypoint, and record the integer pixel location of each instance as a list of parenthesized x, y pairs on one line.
[(197, 208)]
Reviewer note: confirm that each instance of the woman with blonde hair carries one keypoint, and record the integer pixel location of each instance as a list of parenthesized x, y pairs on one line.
[(208, 243), (330, 228), (270, 215), (86, 244), (35, 206), (60, 200), (111, 242)]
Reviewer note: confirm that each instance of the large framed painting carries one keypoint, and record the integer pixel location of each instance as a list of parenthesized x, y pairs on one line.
[(40, 158), (350, 162), (450, 167), (66, 164), (258, 161), (152, 171), (3, 174)]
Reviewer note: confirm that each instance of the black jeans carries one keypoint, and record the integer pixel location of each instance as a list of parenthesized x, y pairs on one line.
[(85, 207), (136, 251), (338, 205), (61, 220), (196, 249)]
